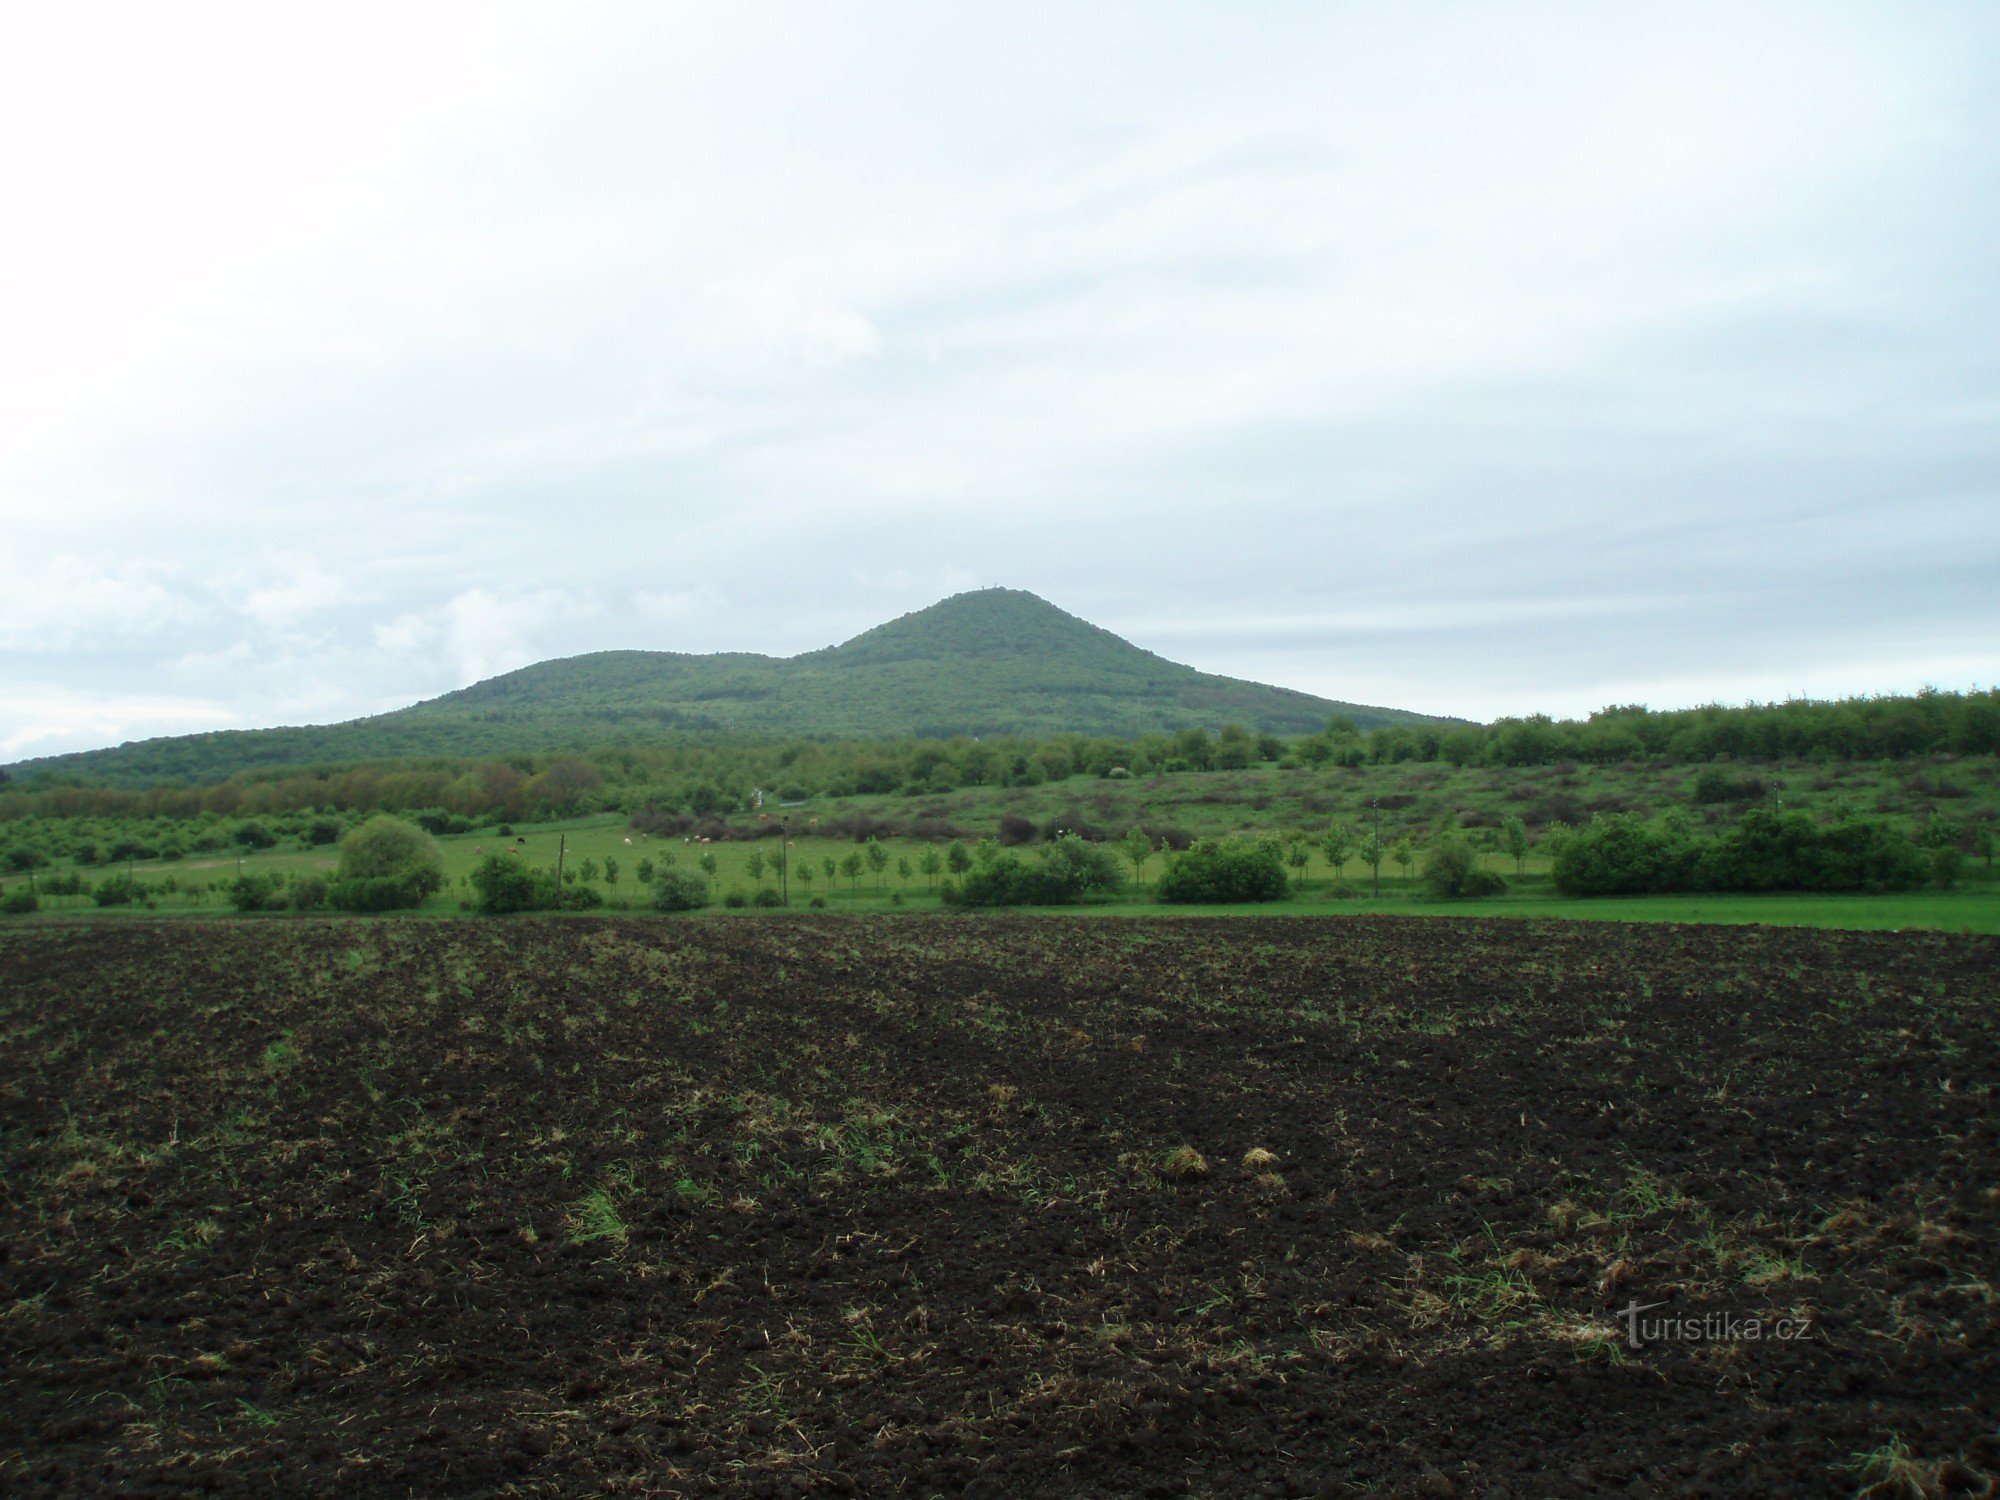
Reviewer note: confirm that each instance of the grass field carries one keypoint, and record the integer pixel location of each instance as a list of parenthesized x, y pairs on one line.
[(1973, 907)]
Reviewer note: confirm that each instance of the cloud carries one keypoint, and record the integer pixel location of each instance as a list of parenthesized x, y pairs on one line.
[(48, 719), (1482, 364), (65, 603), (307, 590)]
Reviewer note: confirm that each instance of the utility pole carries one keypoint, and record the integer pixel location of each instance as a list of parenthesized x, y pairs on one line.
[(562, 845), (785, 860)]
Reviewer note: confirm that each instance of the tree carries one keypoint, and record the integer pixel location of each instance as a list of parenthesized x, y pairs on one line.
[(831, 866), (386, 864), (1404, 854), (1514, 839), (1138, 853), (1336, 845), (755, 865), (610, 870), (1371, 852), (254, 835), (1984, 844), (806, 873), (957, 858), (387, 846), (904, 870), (850, 866), (586, 871), (1298, 854), (932, 864), (707, 863), (644, 871), (1452, 871), (878, 860)]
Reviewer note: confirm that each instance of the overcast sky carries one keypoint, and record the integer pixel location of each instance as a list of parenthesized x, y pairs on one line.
[(1471, 358)]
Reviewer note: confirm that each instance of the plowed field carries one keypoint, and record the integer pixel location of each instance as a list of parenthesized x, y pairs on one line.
[(916, 1206)]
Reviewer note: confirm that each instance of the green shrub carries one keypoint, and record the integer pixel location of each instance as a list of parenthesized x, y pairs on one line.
[(18, 902), (254, 835), (1622, 856), (504, 883), (387, 846), (307, 893), (386, 865), (1716, 785), (1767, 851), (1229, 871), (1062, 872), (767, 896), (735, 900), (249, 892), (119, 889), (1452, 873), (381, 892), (678, 890)]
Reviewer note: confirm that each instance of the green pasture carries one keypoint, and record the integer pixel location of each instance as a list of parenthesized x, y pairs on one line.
[(592, 845)]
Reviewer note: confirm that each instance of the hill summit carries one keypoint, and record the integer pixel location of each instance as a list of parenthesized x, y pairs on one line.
[(992, 661)]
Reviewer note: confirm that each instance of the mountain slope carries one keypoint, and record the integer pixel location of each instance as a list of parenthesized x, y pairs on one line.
[(998, 661)]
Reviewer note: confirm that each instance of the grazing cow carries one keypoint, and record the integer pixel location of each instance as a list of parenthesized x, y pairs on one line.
[(520, 838)]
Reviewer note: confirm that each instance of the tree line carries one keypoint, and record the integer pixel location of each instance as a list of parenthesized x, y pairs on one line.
[(718, 777)]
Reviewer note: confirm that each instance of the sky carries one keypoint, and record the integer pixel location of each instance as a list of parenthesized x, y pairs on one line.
[(1476, 359)]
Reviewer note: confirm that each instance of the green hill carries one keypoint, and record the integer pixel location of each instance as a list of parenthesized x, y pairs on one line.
[(997, 661)]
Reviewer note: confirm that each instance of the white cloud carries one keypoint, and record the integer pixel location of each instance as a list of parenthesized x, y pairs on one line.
[(66, 603), (374, 359), (44, 720)]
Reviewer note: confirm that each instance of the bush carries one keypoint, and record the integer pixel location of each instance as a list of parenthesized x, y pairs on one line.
[(503, 883), (322, 831), (382, 892), (1767, 851), (767, 896), (1621, 856), (387, 846), (1016, 830), (18, 902), (254, 893), (308, 892), (1224, 872), (678, 890), (120, 889), (735, 899), (1064, 872), (254, 835), (1716, 785), (1452, 873), (386, 865)]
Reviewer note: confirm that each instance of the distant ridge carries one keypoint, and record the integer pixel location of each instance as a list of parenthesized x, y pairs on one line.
[(993, 661)]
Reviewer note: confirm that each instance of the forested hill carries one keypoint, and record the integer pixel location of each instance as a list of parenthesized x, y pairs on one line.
[(996, 661)]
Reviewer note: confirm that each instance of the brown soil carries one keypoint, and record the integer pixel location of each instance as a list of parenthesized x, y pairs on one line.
[(899, 1207)]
